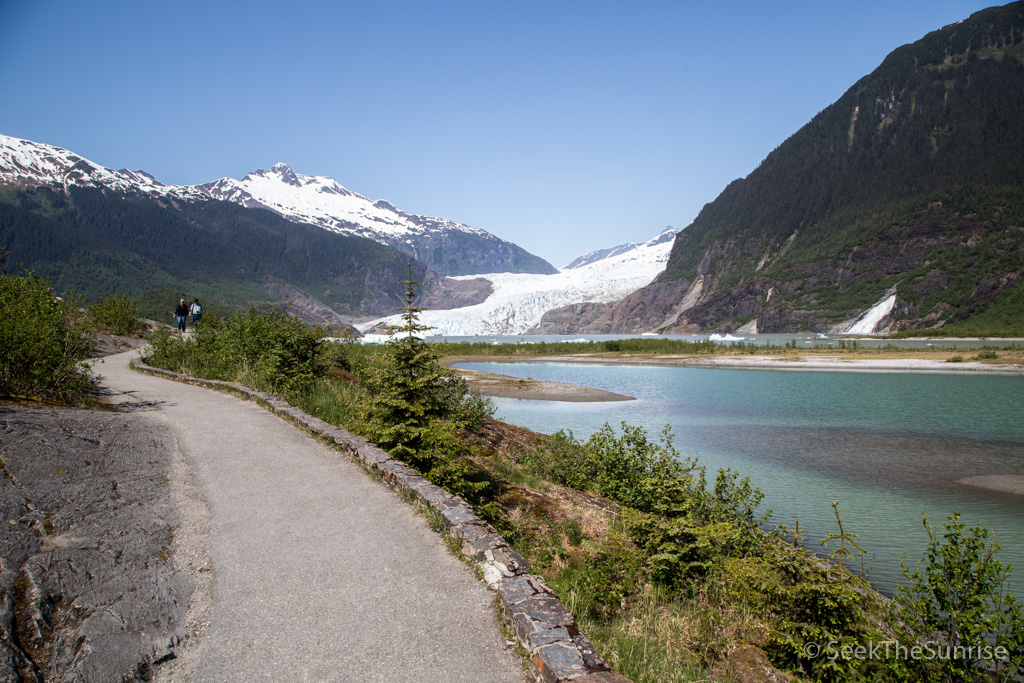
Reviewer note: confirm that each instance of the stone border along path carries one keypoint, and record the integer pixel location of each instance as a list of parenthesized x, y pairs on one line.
[(542, 625)]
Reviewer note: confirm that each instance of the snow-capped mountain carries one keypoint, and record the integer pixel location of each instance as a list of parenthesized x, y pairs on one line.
[(519, 301), (320, 200), (447, 247), (450, 248), (26, 164), (667, 235)]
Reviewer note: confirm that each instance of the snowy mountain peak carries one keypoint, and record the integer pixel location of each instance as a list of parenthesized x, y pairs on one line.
[(313, 199), (287, 175), (24, 163), (449, 247), (666, 235), (647, 250)]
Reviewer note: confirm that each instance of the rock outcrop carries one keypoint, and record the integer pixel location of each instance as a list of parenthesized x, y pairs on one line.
[(88, 591)]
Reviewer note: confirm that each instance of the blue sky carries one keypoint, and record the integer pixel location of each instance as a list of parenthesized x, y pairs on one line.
[(562, 126)]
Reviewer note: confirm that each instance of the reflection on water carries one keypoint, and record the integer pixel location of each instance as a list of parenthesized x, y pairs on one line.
[(888, 447)]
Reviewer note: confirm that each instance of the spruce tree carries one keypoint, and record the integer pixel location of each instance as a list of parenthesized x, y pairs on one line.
[(406, 384)]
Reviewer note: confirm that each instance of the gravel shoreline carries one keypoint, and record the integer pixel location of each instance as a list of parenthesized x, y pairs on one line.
[(1004, 483)]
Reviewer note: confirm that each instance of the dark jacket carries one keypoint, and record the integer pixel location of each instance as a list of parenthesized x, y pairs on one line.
[(182, 309)]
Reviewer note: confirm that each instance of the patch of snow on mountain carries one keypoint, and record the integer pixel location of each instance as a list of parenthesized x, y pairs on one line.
[(867, 323), (520, 300)]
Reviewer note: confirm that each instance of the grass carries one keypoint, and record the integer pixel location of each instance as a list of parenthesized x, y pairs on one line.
[(508, 470), (654, 639)]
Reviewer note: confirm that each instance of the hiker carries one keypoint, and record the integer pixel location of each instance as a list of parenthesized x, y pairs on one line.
[(197, 312), (182, 313)]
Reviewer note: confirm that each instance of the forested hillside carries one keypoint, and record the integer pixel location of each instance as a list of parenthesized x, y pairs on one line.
[(911, 183), (96, 242)]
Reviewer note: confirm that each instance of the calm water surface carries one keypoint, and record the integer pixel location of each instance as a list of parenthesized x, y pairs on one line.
[(888, 447)]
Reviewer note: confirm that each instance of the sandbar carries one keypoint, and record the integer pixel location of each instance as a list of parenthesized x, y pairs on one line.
[(1005, 483), (503, 386)]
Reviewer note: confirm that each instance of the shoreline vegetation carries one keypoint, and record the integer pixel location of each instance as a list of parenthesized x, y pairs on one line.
[(666, 567)]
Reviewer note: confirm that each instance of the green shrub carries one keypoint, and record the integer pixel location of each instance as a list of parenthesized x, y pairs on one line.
[(171, 351), (41, 342), (271, 352), (679, 548), (956, 601), (565, 461), (116, 314)]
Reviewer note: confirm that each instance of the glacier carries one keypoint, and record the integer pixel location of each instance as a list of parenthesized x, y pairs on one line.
[(520, 300)]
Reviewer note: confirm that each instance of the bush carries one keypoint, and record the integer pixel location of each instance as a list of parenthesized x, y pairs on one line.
[(271, 352), (116, 314), (956, 602), (41, 343)]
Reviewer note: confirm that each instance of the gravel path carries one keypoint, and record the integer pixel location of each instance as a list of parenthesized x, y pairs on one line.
[(319, 572)]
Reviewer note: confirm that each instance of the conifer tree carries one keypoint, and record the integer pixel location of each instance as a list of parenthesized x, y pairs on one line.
[(406, 383)]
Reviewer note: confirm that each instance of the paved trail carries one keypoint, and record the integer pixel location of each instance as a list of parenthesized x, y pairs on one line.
[(320, 572)]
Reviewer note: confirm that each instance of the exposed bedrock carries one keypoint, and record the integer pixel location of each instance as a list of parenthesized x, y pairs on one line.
[(88, 591)]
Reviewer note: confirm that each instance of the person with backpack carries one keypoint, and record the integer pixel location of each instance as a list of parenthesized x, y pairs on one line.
[(197, 312), (182, 314)]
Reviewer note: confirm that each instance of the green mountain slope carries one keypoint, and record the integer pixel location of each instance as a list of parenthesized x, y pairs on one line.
[(914, 179), (96, 242), (912, 182)]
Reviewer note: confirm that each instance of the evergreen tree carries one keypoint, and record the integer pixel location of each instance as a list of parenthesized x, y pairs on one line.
[(407, 385)]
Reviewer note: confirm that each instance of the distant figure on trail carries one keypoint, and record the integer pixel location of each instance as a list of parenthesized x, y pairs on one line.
[(197, 312), (182, 313)]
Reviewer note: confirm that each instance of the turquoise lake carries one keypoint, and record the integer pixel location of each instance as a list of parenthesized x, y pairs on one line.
[(887, 446)]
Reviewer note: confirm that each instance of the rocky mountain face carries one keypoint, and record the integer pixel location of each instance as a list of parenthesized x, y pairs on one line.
[(910, 186), (445, 246)]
